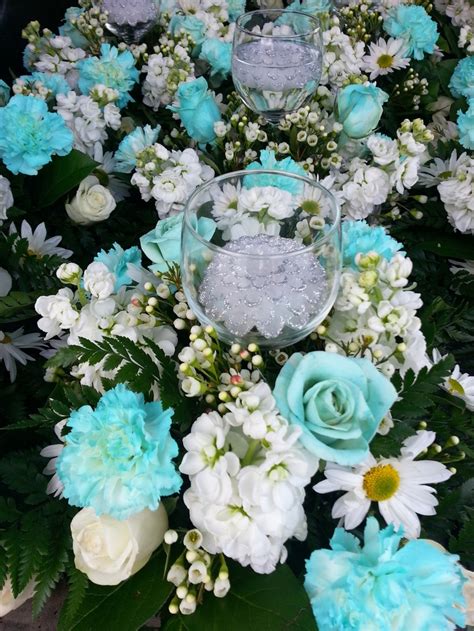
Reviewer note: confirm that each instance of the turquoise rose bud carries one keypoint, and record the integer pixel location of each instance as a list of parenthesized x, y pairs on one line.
[(188, 24), (218, 55), (466, 126), (360, 108), (197, 109), (162, 245), (337, 401)]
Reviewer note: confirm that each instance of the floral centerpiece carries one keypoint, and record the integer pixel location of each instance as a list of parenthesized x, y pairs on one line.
[(154, 468)]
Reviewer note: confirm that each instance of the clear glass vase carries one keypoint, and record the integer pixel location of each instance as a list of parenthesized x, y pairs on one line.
[(130, 20), (261, 256)]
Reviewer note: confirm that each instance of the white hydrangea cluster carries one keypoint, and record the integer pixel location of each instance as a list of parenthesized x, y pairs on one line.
[(169, 177), (342, 59), (375, 315), (247, 477), (88, 117), (455, 182)]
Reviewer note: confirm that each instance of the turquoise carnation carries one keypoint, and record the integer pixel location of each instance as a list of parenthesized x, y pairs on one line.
[(235, 8), (54, 82), (133, 144), (466, 126), (30, 135), (462, 79), (162, 245), (413, 24), (337, 401), (268, 161), (218, 55), (117, 260), (359, 237), (197, 110), (189, 24), (118, 457), (380, 587), (113, 69)]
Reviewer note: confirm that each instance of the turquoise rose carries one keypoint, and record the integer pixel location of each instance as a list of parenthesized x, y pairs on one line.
[(360, 108), (412, 24), (337, 401), (218, 55), (189, 24), (197, 109), (162, 245), (462, 79), (466, 126)]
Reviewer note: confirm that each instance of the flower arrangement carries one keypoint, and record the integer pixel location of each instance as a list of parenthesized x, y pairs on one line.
[(326, 485)]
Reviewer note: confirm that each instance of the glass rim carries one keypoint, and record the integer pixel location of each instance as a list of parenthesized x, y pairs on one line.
[(315, 20), (235, 174)]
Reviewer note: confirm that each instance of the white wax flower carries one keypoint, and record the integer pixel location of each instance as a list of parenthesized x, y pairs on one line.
[(109, 550), (92, 203), (8, 602)]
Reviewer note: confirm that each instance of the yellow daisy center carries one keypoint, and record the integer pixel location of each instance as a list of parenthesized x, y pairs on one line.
[(381, 482), (385, 61)]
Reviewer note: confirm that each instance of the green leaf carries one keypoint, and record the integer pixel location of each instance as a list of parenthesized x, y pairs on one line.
[(8, 510), (448, 245), (78, 584), (52, 567), (18, 301), (256, 602), (61, 176), (125, 607)]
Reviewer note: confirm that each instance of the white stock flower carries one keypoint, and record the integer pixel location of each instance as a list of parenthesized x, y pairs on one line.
[(99, 281), (92, 203), (110, 550), (57, 312), (8, 602), (398, 485), (383, 149), (367, 188), (69, 273), (6, 197)]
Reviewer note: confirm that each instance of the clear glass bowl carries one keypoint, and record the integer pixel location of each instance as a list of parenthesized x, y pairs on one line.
[(261, 256), (130, 20)]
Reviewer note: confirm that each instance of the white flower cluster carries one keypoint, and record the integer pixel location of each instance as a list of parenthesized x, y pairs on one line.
[(247, 480), (169, 177), (375, 315), (87, 119), (342, 58), (455, 181), (51, 53), (213, 14), (461, 13)]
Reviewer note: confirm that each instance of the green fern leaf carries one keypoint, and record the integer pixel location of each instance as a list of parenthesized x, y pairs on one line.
[(78, 584)]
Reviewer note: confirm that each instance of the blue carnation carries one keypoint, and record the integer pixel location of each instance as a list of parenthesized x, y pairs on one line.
[(359, 237), (466, 126), (189, 24), (118, 456), (462, 79), (4, 93), (413, 24), (268, 161), (54, 82), (313, 7), (235, 8), (113, 69), (379, 586), (218, 55), (30, 135), (117, 260), (133, 144)]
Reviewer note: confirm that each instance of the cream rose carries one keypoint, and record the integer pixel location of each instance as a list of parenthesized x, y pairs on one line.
[(109, 550), (8, 602), (93, 203)]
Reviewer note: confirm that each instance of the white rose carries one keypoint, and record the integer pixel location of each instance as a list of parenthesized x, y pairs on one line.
[(8, 602), (6, 197), (5, 282), (93, 202), (110, 550), (99, 281)]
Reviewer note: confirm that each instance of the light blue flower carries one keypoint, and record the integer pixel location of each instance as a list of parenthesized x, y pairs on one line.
[(337, 401), (118, 457), (235, 8), (4, 93), (218, 55), (359, 237), (69, 30), (268, 161), (117, 259), (113, 69), (359, 108), (134, 143), (188, 24), (379, 587), (30, 135), (54, 82), (313, 7), (462, 79), (197, 109), (162, 245), (466, 126), (413, 24)]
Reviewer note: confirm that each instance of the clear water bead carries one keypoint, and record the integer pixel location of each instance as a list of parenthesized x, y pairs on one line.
[(263, 293)]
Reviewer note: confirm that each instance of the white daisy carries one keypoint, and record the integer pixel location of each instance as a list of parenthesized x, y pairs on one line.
[(461, 266), (398, 485), (11, 345), (38, 244), (385, 56), (458, 384), (55, 486)]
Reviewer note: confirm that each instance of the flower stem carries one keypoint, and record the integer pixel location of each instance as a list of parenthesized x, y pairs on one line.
[(251, 450)]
